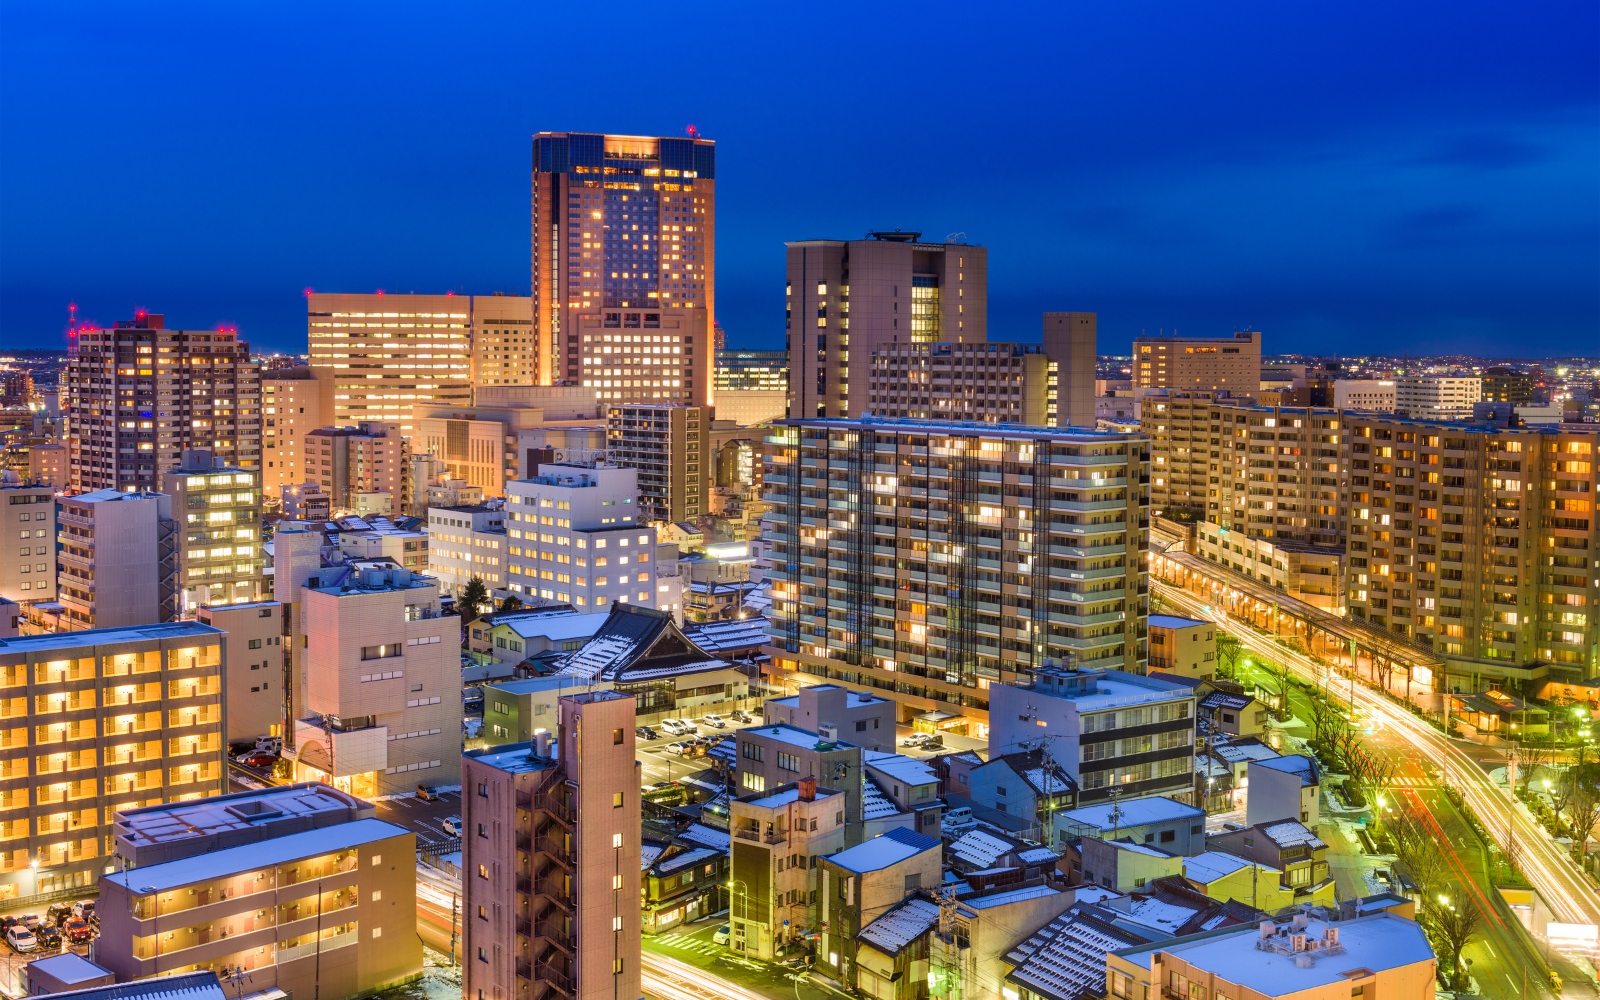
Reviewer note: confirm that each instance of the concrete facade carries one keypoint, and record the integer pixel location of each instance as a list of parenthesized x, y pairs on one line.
[(983, 382), (777, 835), (253, 667), (28, 542), (1183, 646), (575, 534), (1069, 341), (294, 402), (466, 542), (118, 558), (865, 719), (218, 509), (1219, 364), (668, 446)]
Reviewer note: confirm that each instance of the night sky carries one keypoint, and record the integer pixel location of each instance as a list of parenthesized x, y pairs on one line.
[(1345, 176)]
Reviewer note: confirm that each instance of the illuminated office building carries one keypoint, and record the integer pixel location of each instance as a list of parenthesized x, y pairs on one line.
[(1231, 364), (624, 227)]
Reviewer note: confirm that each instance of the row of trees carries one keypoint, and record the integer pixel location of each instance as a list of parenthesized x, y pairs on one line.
[(1419, 856), (1337, 743)]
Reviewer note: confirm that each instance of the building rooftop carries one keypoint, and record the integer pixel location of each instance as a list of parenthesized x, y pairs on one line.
[(636, 643), (906, 770), (1133, 812), (210, 817), (69, 967), (1296, 763), (884, 850), (1173, 621), (1009, 896), (53, 641), (1209, 866), (557, 628), (1111, 688), (794, 736), (1291, 833), (514, 758), (980, 848), (184, 986), (947, 428), (1066, 959), (277, 850), (901, 926), (783, 795), (1268, 966)]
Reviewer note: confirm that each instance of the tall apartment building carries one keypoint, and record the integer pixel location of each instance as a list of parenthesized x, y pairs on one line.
[(1436, 397), (467, 541), (623, 226), (751, 387), (1364, 394), (989, 549), (1069, 340), (668, 359), (981, 382), (667, 445), (1502, 384), (329, 912), (382, 710), (118, 557), (868, 294), (218, 508), (27, 541), (138, 394), (99, 721), (389, 354), (1476, 540), (575, 535), (346, 461), (505, 349), (550, 859), (294, 402), (1232, 364), (1268, 471)]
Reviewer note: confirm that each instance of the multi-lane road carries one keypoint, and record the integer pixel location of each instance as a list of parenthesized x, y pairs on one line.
[(1425, 755)]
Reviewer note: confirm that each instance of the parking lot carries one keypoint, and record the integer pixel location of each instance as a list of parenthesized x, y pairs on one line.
[(12, 961), (426, 819)]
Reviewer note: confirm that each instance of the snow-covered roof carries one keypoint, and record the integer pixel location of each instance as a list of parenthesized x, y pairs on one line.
[(1145, 849), (202, 985), (792, 735), (1066, 959), (69, 967), (1295, 763), (1379, 942), (699, 833), (1013, 896), (875, 802), (1160, 914), (649, 851), (1132, 812), (900, 926), (1243, 750), (556, 628), (1037, 856), (884, 850), (906, 770), (981, 848), (1208, 867), (687, 858), (1292, 833), (1226, 699)]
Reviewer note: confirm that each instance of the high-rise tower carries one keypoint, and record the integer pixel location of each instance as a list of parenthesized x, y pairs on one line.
[(623, 257)]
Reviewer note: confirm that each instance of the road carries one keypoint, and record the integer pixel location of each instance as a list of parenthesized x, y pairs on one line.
[(1418, 748)]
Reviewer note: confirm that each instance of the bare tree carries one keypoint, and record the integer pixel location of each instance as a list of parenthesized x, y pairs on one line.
[(1451, 927), (1529, 756), (1419, 853), (1228, 652), (1562, 791), (1585, 811), (1278, 670)]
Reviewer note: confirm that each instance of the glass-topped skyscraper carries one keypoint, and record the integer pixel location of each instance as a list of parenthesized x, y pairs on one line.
[(623, 275)]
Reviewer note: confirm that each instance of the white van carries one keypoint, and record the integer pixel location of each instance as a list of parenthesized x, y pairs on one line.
[(21, 939), (957, 820)]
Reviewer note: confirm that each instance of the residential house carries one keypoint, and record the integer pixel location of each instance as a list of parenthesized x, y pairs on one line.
[(1028, 784), (892, 953), (865, 719), (862, 883), (1286, 787), (1159, 822), (910, 784), (1228, 876), (777, 837), (1125, 866), (1290, 847)]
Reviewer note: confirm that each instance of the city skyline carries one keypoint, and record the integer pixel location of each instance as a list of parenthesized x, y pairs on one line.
[(1414, 191)]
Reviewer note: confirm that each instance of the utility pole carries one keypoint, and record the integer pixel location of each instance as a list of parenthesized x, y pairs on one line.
[(454, 904)]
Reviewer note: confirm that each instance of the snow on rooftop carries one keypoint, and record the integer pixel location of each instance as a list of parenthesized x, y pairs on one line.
[(1379, 942), (980, 848), (69, 967), (1233, 753), (597, 654), (875, 803), (687, 858), (1037, 855), (648, 853), (1212, 865), (557, 628), (883, 851), (1132, 812), (1147, 851), (1292, 833), (906, 770), (1005, 898), (792, 735), (699, 833), (1160, 914), (900, 926), (1066, 959), (1299, 764), (262, 854), (1173, 621)]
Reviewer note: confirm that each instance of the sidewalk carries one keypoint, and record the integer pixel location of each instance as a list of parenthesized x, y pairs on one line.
[(692, 945)]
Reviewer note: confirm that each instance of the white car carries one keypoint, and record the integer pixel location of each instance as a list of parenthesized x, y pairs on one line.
[(677, 748), (452, 825), (714, 721), (721, 935), (672, 727), (957, 820), (21, 939)]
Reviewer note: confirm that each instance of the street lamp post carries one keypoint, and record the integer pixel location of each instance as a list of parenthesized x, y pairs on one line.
[(744, 915)]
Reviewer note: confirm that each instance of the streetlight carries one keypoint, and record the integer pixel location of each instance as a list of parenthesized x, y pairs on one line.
[(744, 919)]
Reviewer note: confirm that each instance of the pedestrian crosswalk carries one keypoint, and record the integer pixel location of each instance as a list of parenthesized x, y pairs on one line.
[(1405, 782), (689, 942)]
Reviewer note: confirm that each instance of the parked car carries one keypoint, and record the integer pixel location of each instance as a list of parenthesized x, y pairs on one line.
[(958, 820), (48, 936), (934, 742), (78, 930), (914, 741), (742, 717), (646, 733), (31, 921), (427, 794), (58, 913), (676, 727), (21, 939), (260, 758), (679, 749), (714, 721), (452, 825), (721, 936)]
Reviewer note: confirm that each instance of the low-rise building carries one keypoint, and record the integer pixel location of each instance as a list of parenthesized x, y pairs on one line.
[(515, 711), (516, 636), (1290, 847), (306, 502), (331, 910), (778, 754), (892, 956), (1110, 730), (865, 719), (860, 884), (1287, 787), (684, 880), (1125, 866), (777, 837), (1308, 958), (171, 831), (71, 972), (1233, 714), (1160, 822), (1029, 785), (1310, 573), (988, 924), (1226, 876), (641, 651), (1185, 646), (911, 785)]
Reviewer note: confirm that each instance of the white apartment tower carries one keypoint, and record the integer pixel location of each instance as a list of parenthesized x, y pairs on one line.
[(28, 542), (1436, 397), (575, 535)]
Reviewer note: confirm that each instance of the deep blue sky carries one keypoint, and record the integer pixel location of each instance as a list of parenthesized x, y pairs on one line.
[(1343, 175)]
